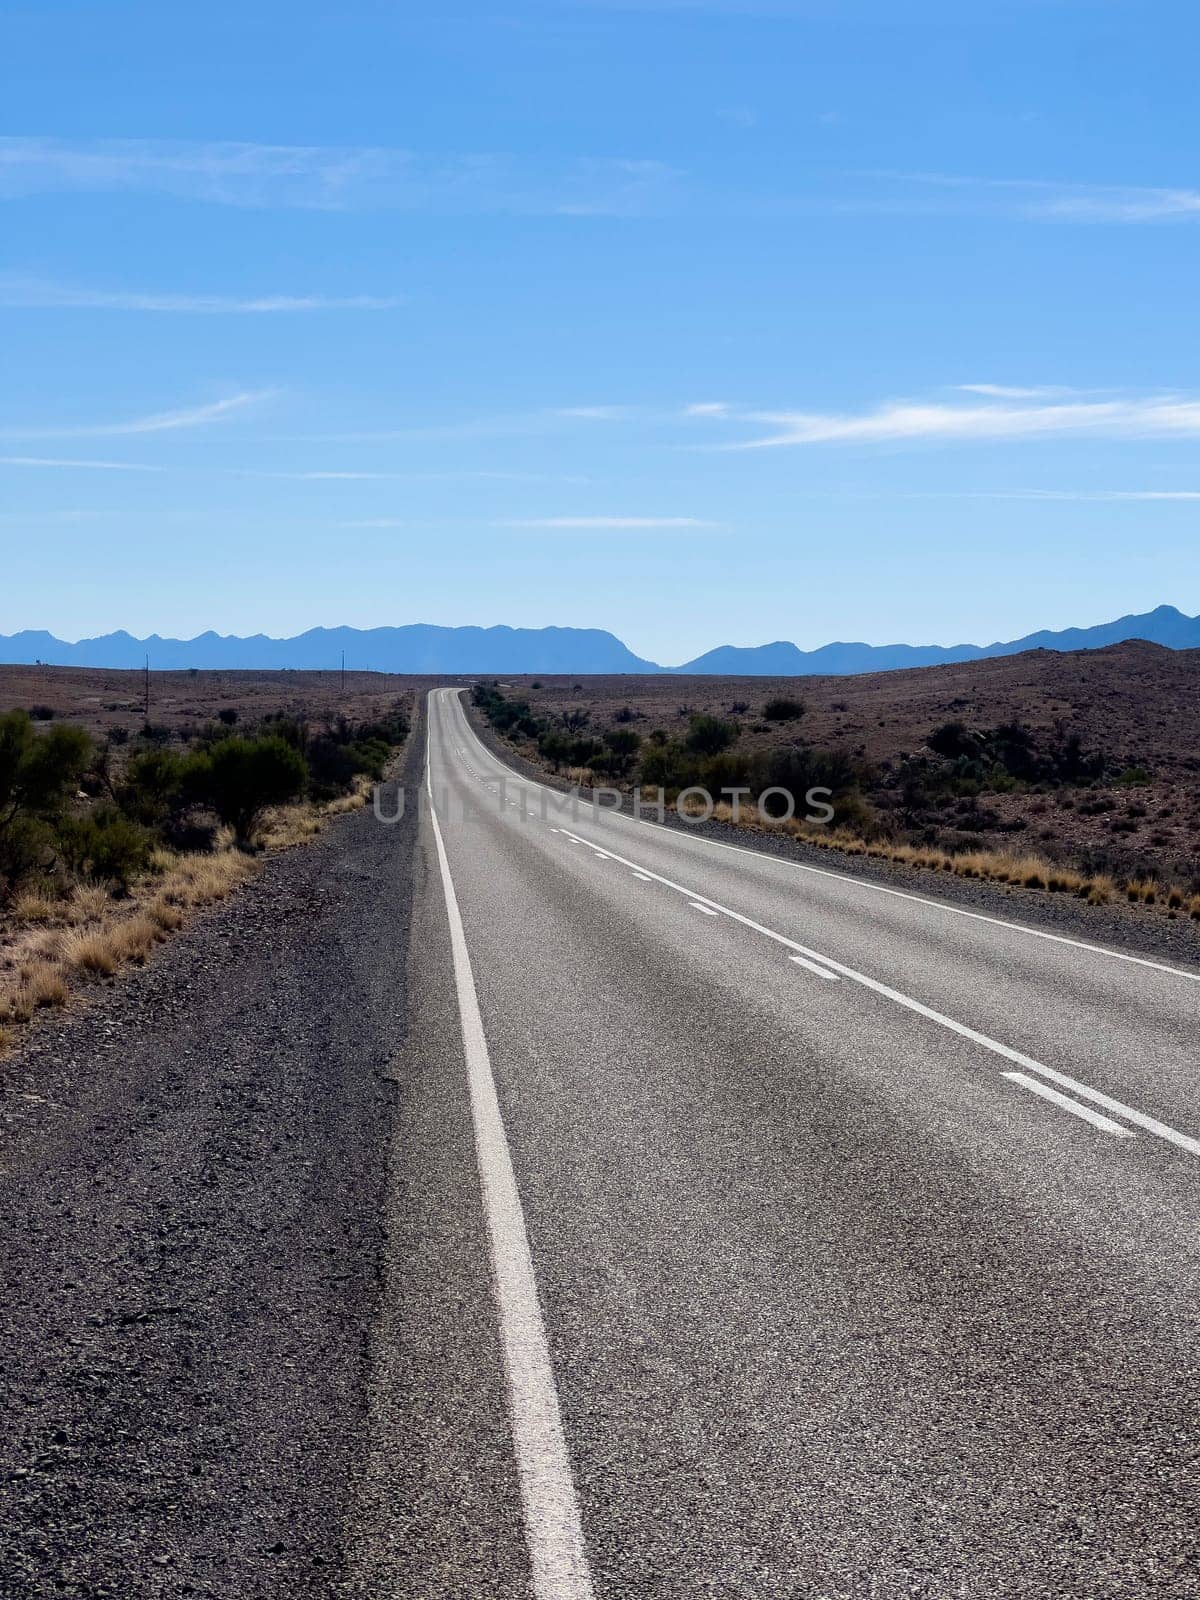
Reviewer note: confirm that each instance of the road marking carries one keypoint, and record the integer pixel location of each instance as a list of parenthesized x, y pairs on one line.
[(553, 1533), (1150, 1124), (642, 878), (707, 910), (1084, 1091), (882, 888), (1088, 1115), (821, 972)]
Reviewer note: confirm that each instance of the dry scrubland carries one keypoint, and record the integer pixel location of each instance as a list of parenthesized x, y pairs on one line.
[(1073, 773), (145, 823)]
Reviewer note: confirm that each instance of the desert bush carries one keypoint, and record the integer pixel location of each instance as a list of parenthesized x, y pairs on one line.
[(155, 787), (105, 845), (708, 735), (38, 775), (555, 747), (621, 746), (42, 713), (239, 778), (783, 708)]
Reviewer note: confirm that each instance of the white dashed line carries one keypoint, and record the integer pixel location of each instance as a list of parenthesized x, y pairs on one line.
[(1105, 1124), (811, 966)]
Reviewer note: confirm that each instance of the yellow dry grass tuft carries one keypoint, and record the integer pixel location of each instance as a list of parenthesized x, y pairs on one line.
[(96, 952), (289, 826), (168, 917), (201, 880), (29, 908), (88, 903), (45, 984)]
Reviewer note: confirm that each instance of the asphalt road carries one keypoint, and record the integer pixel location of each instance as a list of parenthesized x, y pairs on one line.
[(782, 1235), (493, 1205)]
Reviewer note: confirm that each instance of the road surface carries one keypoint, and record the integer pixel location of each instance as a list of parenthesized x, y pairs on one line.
[(779, 1234)]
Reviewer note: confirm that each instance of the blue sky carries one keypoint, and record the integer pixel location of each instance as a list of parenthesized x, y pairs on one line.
[(705, 322)]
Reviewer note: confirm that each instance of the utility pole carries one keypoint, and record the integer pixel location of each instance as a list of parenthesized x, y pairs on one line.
[(147, 688)]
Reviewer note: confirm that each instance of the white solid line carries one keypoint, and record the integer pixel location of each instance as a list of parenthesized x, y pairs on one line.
[(553, 1533), (1149, 1124), (1105, 1124), (882, 888), (707, 910), (821, 972), (642, 878)]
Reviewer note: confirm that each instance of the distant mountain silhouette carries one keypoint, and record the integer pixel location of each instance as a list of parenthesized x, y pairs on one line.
[(419, 648), (1165, 625), (422, 648)]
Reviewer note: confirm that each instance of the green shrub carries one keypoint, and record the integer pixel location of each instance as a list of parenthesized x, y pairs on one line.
[(783, 708), (105, 846), (620, 747), (38, 776), (708, 736), (239, 778), (153, 790)]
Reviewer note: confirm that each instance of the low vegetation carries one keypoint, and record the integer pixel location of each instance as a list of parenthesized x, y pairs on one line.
[(930, 809), (106, 847)]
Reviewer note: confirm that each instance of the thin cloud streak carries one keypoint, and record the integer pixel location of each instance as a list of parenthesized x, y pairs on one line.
[(90, 466), (617, 523), (333, 178), (30, 294), (1159, 417), (1034, 199), (161, 422)]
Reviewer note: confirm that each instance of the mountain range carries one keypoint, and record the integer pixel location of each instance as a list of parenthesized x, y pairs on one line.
[(422, 648)]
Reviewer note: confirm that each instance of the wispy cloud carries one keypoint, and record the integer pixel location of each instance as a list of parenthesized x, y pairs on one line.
[(594, 413), (1003, 391), (1154, 417), (159, 422), (1097, 494), (32, 294), (88, 466), (333, 178), (616, 523), (1034, 199)]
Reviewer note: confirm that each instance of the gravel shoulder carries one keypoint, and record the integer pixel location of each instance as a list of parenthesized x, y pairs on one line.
[(193, 1172), (1119, 925)]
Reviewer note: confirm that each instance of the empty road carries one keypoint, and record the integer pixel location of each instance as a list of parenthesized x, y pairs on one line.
[(776, 1234)]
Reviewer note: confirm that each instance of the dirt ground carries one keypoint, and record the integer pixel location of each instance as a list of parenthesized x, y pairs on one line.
[(1137, 702), (99, 699)]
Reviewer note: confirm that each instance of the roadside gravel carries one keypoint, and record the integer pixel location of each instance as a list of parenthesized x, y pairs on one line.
[(193, 1171)]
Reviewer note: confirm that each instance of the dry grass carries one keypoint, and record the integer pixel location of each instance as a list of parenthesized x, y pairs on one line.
[(28, 908), (45, 984), (52, 945), (88, 903), (1026, 870), (284, 827), (289, 826), (201, 880)]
